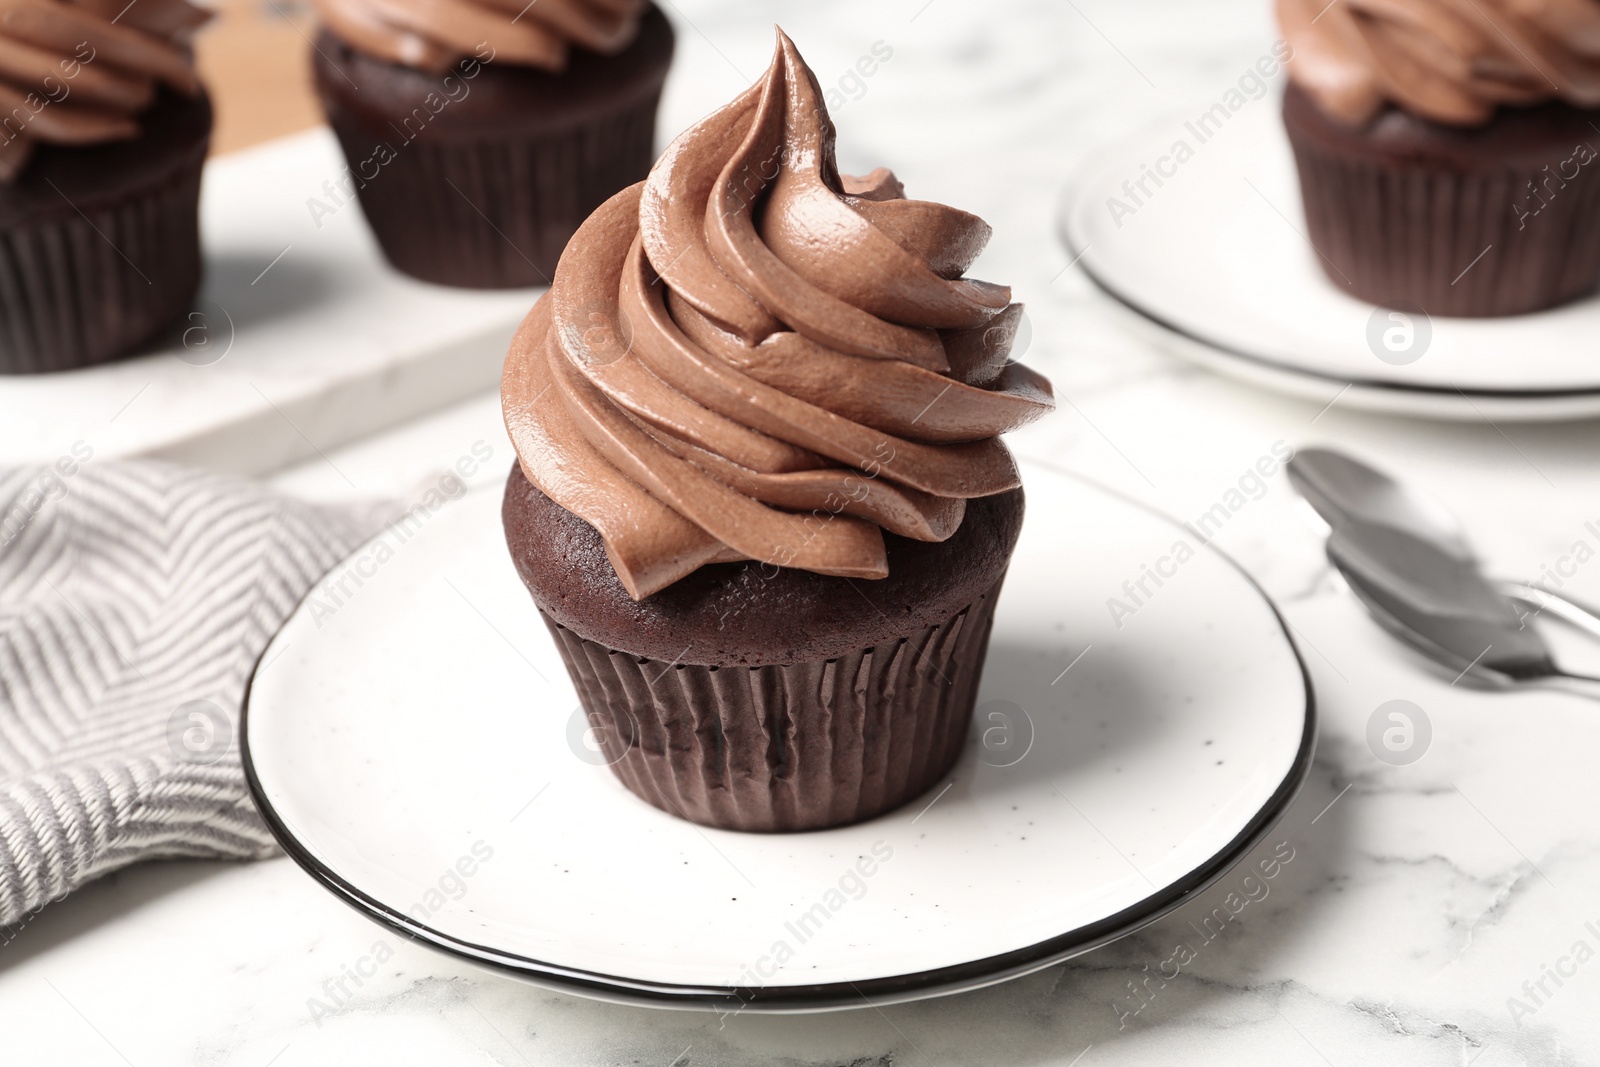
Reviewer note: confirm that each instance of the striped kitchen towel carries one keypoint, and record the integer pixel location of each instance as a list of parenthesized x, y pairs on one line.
[(135, 598)]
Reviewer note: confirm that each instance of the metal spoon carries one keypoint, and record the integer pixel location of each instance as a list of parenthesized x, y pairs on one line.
[(1574, 613), (1506, 656), (1409, 562)]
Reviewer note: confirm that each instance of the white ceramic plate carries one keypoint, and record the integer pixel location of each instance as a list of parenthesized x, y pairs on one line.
[(1215, 260), (410, 736)]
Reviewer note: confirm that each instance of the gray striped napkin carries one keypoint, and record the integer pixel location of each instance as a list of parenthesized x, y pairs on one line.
[(135, 598)]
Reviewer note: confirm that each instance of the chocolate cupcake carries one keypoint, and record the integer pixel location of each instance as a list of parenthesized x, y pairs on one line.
[(479, 134), (103, 131), (1447, 152), (761, 502)]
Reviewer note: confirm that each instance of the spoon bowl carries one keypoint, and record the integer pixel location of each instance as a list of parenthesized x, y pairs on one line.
[(1409, 562)]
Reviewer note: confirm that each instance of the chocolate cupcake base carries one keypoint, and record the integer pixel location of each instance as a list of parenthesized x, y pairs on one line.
[(478, 177), (762, 698), (100, 244), (787, 747), (1501, 219)]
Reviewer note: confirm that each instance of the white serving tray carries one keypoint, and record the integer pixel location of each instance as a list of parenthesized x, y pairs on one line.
[(329, 344)]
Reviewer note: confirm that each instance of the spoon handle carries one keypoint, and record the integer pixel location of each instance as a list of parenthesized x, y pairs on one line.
[(1577, 684), (1566, 609)]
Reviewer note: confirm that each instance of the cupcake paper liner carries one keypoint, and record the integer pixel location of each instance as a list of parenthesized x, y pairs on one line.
[(83, 288), (1414, 236), (495, 212), (787, 747)]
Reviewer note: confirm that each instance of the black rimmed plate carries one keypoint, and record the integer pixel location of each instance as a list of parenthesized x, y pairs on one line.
[(1145, 718), (1199, 233)]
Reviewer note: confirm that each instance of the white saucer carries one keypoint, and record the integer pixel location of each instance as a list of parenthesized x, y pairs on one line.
[(413, 715), (1215, 259)]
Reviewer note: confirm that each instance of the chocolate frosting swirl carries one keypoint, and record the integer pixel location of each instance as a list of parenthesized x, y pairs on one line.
[(80, 72), (750, 356), (1451, 61), (433, 35)]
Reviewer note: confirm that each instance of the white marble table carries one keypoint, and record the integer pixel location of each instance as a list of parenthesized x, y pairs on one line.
[(1420, 898)]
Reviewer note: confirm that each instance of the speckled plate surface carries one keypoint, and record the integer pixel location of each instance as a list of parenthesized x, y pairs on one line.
[(1208, 251), (413, 740)]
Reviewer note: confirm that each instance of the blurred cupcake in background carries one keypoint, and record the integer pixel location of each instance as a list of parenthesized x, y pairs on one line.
[(1449, 153), (480, 134), (104, 128)]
